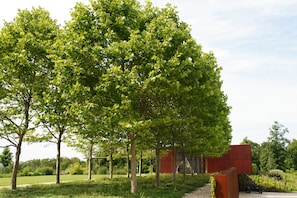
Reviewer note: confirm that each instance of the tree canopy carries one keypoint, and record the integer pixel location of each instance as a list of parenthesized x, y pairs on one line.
[(121, 73)]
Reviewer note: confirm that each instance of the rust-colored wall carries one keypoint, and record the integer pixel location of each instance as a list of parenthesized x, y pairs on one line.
[(166, 163), (227, 184), (238, 156)]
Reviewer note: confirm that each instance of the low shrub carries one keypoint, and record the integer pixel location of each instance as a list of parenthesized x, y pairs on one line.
[(276, 174), (76, 169), (45, 171)]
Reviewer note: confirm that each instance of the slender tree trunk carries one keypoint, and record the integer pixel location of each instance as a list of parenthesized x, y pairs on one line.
[(158, 164), (184, 171), (16, 163), (90, 158), (111, 164), (128, 162), (19, 145), (201, 159), (173, 162), (58, 159), (206, 165), (140, 163), (151, 164), (133, 164)]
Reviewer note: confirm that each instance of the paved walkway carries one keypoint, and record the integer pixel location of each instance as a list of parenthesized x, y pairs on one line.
[(267, 195)]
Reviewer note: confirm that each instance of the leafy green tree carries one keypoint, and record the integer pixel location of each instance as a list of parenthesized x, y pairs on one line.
[(273, 151), (24, 65), (6, 157), (138, 63), (267, 159), (278, 144), (292, 154)]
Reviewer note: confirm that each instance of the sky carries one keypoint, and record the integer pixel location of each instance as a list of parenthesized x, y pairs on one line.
[(255, 42)]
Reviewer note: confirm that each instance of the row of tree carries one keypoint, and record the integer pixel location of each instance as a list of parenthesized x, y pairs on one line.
[(118, 74), (277, 152)]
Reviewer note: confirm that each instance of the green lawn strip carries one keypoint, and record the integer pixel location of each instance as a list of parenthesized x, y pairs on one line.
[(118, 187), (43, 179)]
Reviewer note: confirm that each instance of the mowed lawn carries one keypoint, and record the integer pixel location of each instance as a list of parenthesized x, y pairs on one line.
[(6, 181), (101, 187)]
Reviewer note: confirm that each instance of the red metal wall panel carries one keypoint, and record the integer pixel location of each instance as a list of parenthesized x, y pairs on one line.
[(238, 156), (227, 184), (166, 163)]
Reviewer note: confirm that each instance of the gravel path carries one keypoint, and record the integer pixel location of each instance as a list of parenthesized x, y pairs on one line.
[(203, 192)]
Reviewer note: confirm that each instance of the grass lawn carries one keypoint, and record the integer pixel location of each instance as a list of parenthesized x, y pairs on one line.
[(42, 179), (101, 186)]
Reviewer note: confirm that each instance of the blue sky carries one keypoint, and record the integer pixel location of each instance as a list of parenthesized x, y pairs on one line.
[(255, 42)]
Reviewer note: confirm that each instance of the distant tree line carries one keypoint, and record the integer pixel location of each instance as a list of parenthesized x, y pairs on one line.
[(277, 152)]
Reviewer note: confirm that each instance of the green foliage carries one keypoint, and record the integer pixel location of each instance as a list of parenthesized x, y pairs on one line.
[(213, 186), (291, 150), (6, 157), (45, 170), (287, 184), (255, 169), (276, 174), (76, 169)]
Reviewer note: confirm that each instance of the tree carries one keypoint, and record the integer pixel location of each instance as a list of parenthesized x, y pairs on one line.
[(6, 157), (138, 73), (278, 143), (273, 151), (24, 64), (291, 160)]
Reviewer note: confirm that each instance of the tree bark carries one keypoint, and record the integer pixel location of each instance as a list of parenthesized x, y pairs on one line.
[(173, 162), (16, 163), (133, 164), (58, 158), (158, 153), (110, 164), (140, 163), (90, 158), (128, 162)]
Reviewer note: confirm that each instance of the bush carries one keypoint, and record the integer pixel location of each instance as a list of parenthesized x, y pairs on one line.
[(102, 171), (76, 169), (45, 171), (255, 169), (276, 174), (120, 171), (26, 172)]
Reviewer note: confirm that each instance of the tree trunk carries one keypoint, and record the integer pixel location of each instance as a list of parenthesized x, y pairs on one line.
[(58, 159), (110, 164), (151, 164), (128, 162), (158, 154), (90, 158), (16, 163), (185, 167), (206, 165), (133, 164), (140, 163), (173, 162)]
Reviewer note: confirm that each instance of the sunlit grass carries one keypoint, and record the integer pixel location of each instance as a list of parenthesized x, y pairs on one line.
[(102, 186)]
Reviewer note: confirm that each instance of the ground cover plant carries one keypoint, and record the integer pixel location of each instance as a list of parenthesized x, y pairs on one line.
[(118, 187), (270, 181)]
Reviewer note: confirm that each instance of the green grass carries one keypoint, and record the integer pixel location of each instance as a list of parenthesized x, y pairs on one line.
[(101, 186), (41, 179)]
